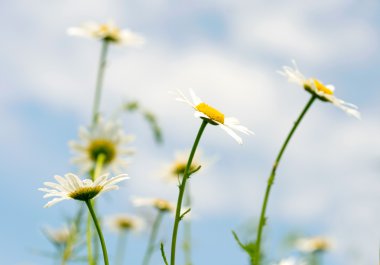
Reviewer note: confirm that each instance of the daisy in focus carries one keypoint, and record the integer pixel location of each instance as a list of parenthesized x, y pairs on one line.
[(124, 223), (72, 187), (107, 32), (318, 89), (214, 116), (160, 204), (107, 139), (313, 244)]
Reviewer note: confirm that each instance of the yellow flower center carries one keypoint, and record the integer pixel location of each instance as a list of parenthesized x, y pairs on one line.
[(210, 112), (162, 205), (85, 193), (104, 147), (124, 223), (179, 168), (109, 33), (322, 88)]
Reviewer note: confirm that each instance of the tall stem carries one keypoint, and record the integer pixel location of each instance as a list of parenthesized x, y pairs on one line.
[(271, 178), (152, 238), (121, 245), (92, 259), (99, 81), (187, 230), (182, 190), (99, 230)]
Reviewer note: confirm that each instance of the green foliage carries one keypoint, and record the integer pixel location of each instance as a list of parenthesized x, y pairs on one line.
[(249, 248), (150, 118), (163, 254)]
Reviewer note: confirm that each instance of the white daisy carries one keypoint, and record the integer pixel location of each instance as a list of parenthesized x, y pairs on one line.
[(58, 236), (106, 138), (124, 222), (317, 88), (107, 31), (176, 168), (214, 116), (290, 261), (159, 204), (313, 244), (71, 187)]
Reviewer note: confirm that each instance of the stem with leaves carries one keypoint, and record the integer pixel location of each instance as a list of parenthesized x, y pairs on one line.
[(262, 222), (182, 185)]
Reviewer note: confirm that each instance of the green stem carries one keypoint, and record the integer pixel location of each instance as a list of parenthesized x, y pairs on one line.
[(152, 238), (96, 172), (187, 230), (89, 242), (182, 190), (271, 180), (99, 81), (99, 230), (121, 245)]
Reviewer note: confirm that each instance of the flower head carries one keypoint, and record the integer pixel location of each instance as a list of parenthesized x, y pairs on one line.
[(160, 204), (317, 88), (107, 139), (177, 167), (214, 116), (58, 236), (313, 244), (108, 32), (290, 261), (124, 222), (71, 187)]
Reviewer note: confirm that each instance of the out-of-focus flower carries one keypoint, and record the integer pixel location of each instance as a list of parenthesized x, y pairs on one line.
[(108, 32), (72, 187), (160, 204), (176, 169), (124, 222), (317, 88), (58, 236), (214, 116), (106, 138), (290, 261), (313, 244)]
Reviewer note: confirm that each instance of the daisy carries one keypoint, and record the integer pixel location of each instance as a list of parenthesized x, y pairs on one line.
[(71, 187), (177, 167), (105, 138), (290, 261), (214, 116), (318, 89), (58, 236), (160, 204), (313, 244), (107, 32), (124, 222)]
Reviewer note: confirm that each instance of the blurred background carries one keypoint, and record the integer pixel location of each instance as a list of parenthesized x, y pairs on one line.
[(228, 52)]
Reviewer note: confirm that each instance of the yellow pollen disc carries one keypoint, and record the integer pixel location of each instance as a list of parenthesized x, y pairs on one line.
[(102, 146), (321, 87), (103, 28), (210, 112), (85, 193)]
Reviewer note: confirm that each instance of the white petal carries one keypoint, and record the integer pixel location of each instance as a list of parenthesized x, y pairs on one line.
[(54, 201), (231, 133), (194, 97)]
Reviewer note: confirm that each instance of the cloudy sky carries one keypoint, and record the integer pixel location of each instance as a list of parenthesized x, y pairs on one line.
[(228, 52)]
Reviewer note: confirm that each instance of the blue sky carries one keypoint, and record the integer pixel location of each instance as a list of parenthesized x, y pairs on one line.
[(229, 52)]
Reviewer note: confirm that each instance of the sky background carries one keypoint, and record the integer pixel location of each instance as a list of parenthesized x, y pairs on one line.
[(228, 52)]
